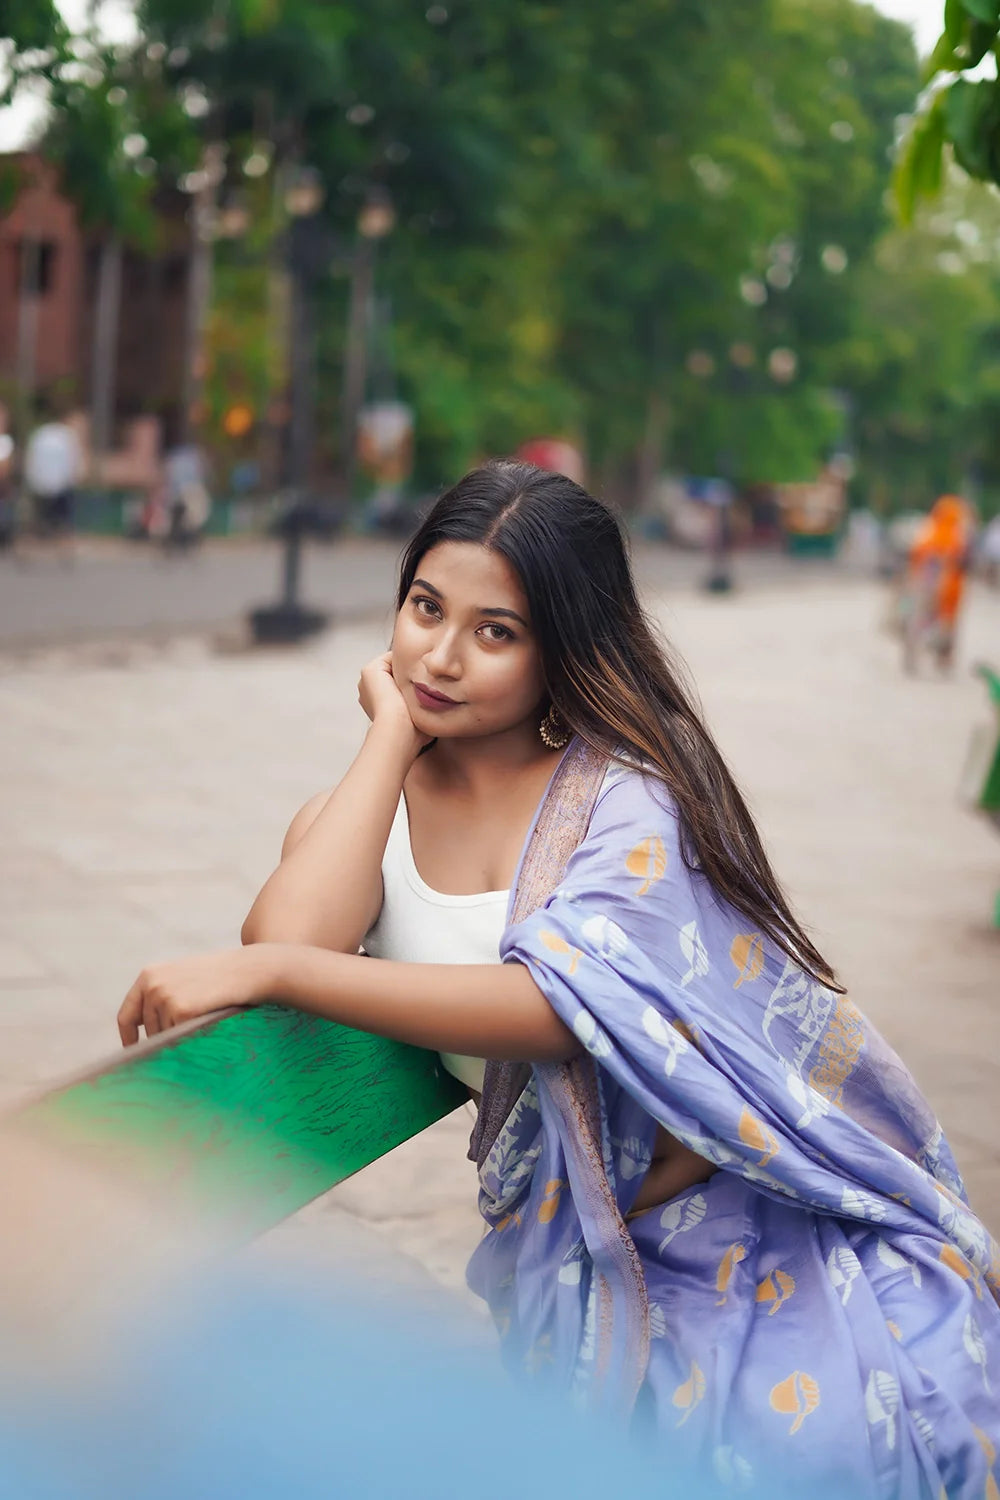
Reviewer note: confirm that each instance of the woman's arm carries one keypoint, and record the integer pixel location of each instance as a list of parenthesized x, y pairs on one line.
[(327, 890), (482, 1010)]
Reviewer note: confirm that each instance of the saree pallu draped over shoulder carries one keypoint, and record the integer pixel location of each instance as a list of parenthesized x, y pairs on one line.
[(824, 1307)]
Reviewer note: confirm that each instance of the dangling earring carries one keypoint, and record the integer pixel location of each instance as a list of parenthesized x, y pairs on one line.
[(553, 732)]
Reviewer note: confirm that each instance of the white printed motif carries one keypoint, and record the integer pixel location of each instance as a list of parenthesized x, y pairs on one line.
[(811, 1103), (677, 1218), (975, 1346), (657, 1321), (922, 1425), (862, 1206), (587, 1031), (882, 1404), (694, 951), (635, 1158), (605, 936), (806, 1005), (661, 1031), (572, 1266), (891, 1257), (731, 1468), (843, 1269)]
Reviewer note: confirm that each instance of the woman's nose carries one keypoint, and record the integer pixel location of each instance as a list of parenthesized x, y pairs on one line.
[(443, 657)]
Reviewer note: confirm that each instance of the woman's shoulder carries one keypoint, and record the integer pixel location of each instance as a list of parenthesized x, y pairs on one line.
[(633, 793)]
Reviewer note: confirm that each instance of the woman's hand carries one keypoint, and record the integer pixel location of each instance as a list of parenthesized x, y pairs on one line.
[(165, 995), (383, 702)]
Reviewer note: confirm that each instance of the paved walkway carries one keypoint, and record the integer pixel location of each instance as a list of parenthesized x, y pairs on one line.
[(120, 589), (143, 803)]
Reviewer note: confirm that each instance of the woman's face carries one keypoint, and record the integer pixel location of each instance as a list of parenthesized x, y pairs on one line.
[(463, 652)]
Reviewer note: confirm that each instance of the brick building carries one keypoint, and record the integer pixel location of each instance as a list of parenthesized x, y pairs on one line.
[(151, 322)]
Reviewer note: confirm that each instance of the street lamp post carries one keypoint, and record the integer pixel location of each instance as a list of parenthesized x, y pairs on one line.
[(289, 621), (376, 220)]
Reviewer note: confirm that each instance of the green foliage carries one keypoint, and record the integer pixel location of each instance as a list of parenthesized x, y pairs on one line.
[(584, 200)]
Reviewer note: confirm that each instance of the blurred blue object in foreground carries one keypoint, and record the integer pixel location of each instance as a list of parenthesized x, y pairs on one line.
[(253, 1392)]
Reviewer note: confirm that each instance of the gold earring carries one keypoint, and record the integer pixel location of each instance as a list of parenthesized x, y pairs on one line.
[(553, 732)]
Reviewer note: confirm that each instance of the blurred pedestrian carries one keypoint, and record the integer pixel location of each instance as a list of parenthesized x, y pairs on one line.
[(988, 552), (53, 467), (938, 561), (8, 493), (187, 500), (716, 1204)]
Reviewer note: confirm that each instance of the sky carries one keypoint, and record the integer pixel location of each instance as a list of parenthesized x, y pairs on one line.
[(16, 123)]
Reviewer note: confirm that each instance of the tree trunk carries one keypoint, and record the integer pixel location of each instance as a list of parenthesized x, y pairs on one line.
[(27, 333), (104, 370), (649, 455), (355, 359)]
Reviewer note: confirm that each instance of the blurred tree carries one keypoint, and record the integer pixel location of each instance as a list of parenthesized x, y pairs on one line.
[(653, 230), (923, 362)]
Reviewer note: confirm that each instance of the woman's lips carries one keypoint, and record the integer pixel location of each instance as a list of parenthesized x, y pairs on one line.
[(432, 701)]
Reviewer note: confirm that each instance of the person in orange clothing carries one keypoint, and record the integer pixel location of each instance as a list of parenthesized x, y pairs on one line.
[(938, 562)]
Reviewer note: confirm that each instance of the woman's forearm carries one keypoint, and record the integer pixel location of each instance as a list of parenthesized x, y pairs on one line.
[(482, 1010), (327, 889)]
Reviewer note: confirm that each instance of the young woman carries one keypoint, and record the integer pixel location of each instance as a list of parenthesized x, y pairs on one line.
[(714, 1198)]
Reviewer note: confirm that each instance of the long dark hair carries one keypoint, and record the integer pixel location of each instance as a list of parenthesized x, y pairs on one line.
[(610, 675)]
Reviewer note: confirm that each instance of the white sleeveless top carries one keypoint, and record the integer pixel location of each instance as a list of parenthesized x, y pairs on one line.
[(418, 925)]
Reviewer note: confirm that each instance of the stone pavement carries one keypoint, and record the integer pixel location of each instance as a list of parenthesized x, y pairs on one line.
[(120, 589), (144, 798)]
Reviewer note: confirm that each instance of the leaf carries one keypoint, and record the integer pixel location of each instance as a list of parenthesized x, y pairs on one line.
[(647, 862), (918, 169), (967, 109), (954, 21), (943, 59), (747, 953), (987, 11)]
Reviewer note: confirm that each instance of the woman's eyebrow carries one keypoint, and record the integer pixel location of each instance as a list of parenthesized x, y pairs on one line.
[(507, 614)]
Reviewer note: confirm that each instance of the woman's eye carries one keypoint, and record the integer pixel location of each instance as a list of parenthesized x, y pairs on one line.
[(430, 610), (501, 633)]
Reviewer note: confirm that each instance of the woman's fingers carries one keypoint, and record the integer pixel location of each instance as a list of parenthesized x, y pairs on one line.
[(152, 1016), (130, 1014), (142, 1007)]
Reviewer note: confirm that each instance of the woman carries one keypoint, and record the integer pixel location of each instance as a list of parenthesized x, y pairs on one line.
[(715, 1200)]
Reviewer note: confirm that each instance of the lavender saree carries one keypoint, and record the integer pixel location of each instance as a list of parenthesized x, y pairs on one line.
[(823, 1306)]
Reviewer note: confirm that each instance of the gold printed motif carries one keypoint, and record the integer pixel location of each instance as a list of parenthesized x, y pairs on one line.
[(556, 944), (776, 1288), (755, 1134), (839, 1049), (747, 953), (550, 1203), (647, 862), (797, 1396), (688, 1395), (727, 1266)]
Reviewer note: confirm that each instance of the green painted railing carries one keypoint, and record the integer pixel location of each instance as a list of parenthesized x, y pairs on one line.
[(252, 1114)]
